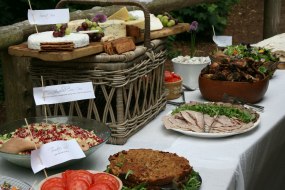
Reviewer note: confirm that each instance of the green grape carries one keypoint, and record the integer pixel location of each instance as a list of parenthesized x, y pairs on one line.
[(94, 24), (67, 31), (58, 26)]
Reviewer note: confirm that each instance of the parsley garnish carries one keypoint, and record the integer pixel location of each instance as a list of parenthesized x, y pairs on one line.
[(212, 110)]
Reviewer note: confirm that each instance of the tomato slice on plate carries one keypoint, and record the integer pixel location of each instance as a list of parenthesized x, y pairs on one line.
[(100, 186), (107, 178), (77, 184), (55, 183), (78, 174)]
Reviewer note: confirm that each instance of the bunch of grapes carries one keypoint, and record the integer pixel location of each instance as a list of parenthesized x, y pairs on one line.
[(60, 30), (88, 25), (167, 20)]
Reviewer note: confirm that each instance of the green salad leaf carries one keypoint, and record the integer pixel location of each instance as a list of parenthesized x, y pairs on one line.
[(194, 182), (213, 109)]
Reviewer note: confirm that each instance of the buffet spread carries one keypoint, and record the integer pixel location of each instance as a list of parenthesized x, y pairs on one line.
[(136, 168)]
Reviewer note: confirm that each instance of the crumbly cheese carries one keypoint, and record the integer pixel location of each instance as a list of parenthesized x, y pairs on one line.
[(116, 28), (79, 40)]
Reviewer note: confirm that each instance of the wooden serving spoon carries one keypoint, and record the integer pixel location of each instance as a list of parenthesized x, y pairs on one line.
[(17, 145)]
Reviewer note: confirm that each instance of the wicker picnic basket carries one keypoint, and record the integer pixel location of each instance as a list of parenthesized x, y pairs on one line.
[(128, 87)]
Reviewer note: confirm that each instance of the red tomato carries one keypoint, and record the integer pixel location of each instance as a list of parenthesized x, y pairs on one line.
[(78, 174), (77, 184), (97, 178), (171, 76), (55, 183), (167, 75), (100, 186), (174, 75)]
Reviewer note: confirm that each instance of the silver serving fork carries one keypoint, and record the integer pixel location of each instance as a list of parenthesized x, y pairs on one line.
[(235, 100)]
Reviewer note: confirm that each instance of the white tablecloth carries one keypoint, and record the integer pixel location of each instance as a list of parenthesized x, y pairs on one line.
[(246, 161)]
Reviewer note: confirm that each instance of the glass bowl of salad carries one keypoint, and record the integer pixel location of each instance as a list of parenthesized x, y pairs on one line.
[(90, 135), (9, 183)]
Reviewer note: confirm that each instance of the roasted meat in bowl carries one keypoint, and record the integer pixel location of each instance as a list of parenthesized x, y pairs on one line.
[(242, 78)]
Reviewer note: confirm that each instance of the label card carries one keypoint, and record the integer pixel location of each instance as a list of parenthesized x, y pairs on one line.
[(222, 41), (49, 16), (63, 93), (54, 153)]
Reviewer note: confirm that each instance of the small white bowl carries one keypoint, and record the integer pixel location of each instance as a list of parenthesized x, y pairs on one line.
[(189, 70)]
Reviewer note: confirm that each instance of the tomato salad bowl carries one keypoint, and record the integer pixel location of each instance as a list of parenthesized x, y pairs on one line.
[(92, 132), (81, 179)]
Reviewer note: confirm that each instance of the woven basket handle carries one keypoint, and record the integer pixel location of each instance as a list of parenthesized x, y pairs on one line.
[(116, 2)]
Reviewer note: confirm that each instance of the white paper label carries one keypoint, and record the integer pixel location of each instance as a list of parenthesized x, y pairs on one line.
[(49, 16), (55, 153), (223, 41), (63, 93)]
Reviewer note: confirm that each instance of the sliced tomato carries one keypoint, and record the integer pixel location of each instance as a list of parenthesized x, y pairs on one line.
[(102, 177), (100, 186), (112, 185), (55, 182), (65, 174), (77, 184), (78, 174)]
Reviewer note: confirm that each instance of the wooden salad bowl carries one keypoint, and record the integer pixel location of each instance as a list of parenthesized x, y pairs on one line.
[(214, 90)]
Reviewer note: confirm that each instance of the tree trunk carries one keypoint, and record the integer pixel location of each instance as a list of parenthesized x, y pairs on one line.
[(17, 86), (272, 17), (19, 32)]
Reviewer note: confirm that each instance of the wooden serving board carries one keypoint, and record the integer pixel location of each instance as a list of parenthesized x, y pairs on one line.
[(22, 50), (167, 31)]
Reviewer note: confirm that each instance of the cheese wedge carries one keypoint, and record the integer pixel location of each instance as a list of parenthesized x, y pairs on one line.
[(122, 14), (115, 28)]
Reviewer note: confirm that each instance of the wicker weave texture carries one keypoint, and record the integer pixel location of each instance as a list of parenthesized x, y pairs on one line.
[(126, 98)]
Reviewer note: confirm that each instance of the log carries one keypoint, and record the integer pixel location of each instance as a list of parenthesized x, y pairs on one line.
[(19, 32), (17, 86)]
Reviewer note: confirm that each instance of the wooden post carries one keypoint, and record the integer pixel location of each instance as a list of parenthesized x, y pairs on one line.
[(17, 87), (272, 17)]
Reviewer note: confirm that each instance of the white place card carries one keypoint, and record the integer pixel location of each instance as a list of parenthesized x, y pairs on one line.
[(55, 153), (223, 41), (63, 93), (48, 16)]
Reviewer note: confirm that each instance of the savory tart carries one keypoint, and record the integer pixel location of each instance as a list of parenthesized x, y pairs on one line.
[(152, 168)]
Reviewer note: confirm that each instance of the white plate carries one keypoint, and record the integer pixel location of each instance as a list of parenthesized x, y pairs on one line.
[(215, 135), (15, 182)]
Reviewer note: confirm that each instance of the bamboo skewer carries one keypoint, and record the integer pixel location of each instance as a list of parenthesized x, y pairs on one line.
[(33, 16), (34, 144)]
